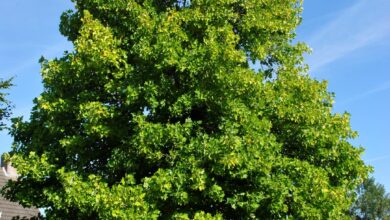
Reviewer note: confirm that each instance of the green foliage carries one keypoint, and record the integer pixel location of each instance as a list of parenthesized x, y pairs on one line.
[(157, 113), (372, 202), (5, 106)]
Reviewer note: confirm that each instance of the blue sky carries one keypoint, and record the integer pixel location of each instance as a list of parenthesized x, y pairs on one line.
[(351, 49)]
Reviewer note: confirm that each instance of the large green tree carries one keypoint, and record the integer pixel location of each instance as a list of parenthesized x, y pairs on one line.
[(158, 113)]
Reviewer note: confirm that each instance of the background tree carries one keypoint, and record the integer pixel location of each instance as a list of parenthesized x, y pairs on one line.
[(5, 107), (372, 201), (157, 113)]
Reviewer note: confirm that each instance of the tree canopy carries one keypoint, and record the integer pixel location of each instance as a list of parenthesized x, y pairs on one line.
[(372, 202), (182, 109), (5, 106)]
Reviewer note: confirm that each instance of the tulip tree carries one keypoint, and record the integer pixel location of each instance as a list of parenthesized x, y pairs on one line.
[(190, 109)]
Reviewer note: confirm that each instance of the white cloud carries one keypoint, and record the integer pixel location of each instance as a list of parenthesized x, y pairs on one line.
[(385, 157), (47, 51), (363, 24), (380, 88)]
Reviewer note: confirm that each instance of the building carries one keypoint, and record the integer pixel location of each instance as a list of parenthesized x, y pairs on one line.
[(12, 210)]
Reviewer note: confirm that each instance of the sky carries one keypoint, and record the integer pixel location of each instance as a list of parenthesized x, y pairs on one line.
[(350, 40)]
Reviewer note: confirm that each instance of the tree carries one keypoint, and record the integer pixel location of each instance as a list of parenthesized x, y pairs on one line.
[(159, 113), (372, 201), (5, 106)]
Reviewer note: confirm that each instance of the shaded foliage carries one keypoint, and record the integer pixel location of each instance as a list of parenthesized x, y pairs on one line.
[(5, 106), (372, 201)]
